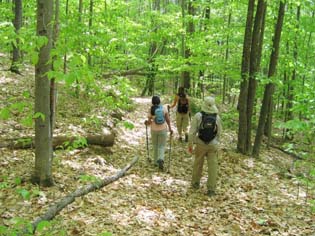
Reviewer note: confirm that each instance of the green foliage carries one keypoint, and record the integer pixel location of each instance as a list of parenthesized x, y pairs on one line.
[(26, 195), (128, 125), (105, 234), (89, 178), (79, 142), (42, 225), (20, 226)]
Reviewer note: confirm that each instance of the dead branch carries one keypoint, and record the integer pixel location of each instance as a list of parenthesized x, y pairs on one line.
[(58, 206)]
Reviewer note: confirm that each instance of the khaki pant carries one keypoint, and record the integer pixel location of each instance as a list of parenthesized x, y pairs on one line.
[(210, 152), (158, 143), (182, 123)]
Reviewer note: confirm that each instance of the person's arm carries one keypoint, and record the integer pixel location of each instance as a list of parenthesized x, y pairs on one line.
[(189, 109), (193, 131), (219, 126), (149, 120), (168, 121), (174, 102)]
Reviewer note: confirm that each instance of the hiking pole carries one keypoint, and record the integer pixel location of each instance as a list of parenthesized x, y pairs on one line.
[(146, 131)]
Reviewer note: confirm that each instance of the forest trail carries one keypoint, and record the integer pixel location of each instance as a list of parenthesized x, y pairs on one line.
[(253, 197)]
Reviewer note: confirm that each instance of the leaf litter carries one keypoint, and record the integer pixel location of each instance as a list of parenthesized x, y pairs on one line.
[(252, 198)]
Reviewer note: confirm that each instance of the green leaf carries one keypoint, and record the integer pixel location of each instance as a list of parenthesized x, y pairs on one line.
[(5, 114), (24, 193), (17, 180), (42, 225), (27, 121), (128, 125), (39, 115)]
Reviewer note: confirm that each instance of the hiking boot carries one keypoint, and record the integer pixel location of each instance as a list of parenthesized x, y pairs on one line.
[(210, 193), (186, 138), (161, 164)]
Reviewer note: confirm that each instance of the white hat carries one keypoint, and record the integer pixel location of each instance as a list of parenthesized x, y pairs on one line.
[(209, 106)]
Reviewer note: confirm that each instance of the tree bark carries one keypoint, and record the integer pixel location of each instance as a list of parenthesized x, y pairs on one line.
[(17, 22), (242, 104), (43, 149), (58, 206), (254, 68), (270, 87)]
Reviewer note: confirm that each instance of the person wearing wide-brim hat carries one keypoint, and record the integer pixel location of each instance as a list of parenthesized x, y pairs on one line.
[(205, 147)]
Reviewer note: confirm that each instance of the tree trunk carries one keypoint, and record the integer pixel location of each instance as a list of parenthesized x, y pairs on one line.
[(17, 22), (254, 68), (186, 78), (90, 28), (242, 104), (269, 88), (226, 59), (43, 141), (53, 86), (65, 55), (292, 82)]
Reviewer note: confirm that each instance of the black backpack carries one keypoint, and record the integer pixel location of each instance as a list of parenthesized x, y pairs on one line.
[(182, 104), (208, 127)]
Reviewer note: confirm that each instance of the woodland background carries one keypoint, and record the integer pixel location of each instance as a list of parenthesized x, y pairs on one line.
[(70, 68)]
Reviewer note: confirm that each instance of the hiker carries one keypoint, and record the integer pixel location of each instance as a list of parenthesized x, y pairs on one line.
[(205, 131), (159, 120), (182, 113)]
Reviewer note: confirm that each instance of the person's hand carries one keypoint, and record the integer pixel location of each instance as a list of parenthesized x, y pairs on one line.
[(190, 149), (171, 132), (147, 122)]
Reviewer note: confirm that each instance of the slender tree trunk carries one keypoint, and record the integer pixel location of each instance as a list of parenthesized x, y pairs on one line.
[(43, 141), (242, 104), (225, 78), (190, 30), (270, 87), (90, 28), (53, 86), (65, 56), (17, 22), (77, 83), (254, 68), (292, 82)]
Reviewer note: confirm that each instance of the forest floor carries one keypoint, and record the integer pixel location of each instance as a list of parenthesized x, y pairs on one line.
[(254, 197)]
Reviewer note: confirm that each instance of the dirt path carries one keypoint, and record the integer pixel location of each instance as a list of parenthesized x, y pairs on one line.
[(251, 198)]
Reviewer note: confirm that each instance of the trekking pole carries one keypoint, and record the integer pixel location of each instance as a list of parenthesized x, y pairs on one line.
[(146, 131)]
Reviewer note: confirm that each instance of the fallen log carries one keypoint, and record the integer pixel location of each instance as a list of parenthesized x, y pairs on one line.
[(58, 206), (61, 142)]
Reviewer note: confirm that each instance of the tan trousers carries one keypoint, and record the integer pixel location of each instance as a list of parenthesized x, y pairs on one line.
[(182, 123), (202, 152)]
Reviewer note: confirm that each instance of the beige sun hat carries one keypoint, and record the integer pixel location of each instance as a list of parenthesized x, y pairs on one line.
[(209, 106)]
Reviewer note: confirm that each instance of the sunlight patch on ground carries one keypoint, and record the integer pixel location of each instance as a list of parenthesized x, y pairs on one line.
[(147, 216), (142, 100), (4, 80)]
